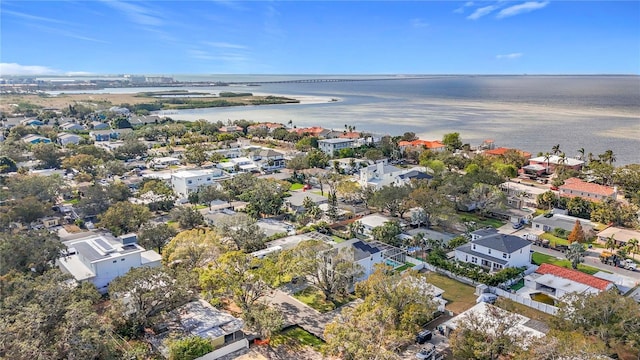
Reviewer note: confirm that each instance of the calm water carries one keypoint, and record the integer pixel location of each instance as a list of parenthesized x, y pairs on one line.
[(528, 112)]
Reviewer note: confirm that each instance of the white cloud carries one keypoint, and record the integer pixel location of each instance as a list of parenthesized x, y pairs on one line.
[(224, 45), (418, 23), (33, 17), (460, 10), (511, 56), (136, 13), (483, 11), (521, 8), (17, 69)]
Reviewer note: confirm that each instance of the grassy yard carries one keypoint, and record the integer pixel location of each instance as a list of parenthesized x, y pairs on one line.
[(481, 222), (296, 337), (296, 186), (200, 207), (460, 296), (554, 240), (314, 298), (517, 286), (337, 239), (524, 310), (539, 258), (405, 267)]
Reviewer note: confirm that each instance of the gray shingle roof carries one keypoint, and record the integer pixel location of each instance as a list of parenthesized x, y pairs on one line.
[(502, 242), (466, 248)]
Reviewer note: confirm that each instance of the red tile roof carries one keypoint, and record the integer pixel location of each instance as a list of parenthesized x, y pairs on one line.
[(315, 131), (428, 144), (350, 135), (574, 275), (576, 184), (503, 150)]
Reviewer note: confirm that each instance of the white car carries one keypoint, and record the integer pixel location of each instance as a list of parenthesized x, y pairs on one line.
[(428, 352)]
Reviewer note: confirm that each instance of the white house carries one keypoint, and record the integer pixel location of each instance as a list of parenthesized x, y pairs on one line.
[(65, 139), (557, 281), (269, 160), (101, 257), (380, 174), (164, 161), (295, 202), (188, 181), (496, 252), (546, 223), (69, 126), (372, 221), (364, 254), (329, 146)]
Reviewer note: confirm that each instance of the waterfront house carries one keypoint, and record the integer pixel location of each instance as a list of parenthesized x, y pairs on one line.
[(420, 145), (554, 161)]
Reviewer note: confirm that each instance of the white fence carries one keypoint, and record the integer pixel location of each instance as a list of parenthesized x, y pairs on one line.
[(545, 308), (226, 350)]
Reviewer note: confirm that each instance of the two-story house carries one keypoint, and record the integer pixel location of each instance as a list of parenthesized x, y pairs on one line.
[(330, 146), (101, 257), (574, 187), (495, 251), (188, 181), (364, 254)]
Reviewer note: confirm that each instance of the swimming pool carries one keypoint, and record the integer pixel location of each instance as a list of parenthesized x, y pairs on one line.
[(393, 264)]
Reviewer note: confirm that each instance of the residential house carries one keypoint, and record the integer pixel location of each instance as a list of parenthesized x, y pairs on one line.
[(501, 151), (574, 187), (69, 126), (557, 281), (523, 327), (521, 195), (31, 122), (349, 165), (35, 139), (372, 221), (554, 161), (239, 164), (199, 318), (100, 258), (107, 135), (496, 251), (119, 110), (330, 146), (97, 125), (268, 126), (316, 131), (50, 221), (620, 235), (365, 254), (188, 181), (379, 175), (231, 129), (65, 139), (547, 223), (420, 145), (164, 162), (269, 160), (296, 200)]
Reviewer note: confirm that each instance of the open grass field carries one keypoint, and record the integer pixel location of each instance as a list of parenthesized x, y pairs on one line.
[(296, 337), (539, 258), (554, 240), (462, 293), (296, 186), (481, 222)]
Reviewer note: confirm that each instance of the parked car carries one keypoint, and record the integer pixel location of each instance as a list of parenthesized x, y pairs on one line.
[(518, 226), (423, 336), (427, 352)]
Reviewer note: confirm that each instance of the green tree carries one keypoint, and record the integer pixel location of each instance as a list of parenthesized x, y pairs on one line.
[(307, 143), (29, 251), (48, 154), (155, 236), (189, 348), (577, 234), (196, 154), (546, 200), (124, 217), (579, 207), (143, 293), (452, 141), (193, 248), (388, 233), (394, 199), (44, 188), (487, 198), (243, 232), (317, 159), (611, 211), (130, 149), (393, 309), (433, 203), (7, 165), (82, 163), (575, 254), (187, 217), (373, 154)]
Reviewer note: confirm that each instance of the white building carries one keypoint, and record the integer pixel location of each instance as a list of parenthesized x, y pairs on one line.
[(329, 146), (557, 281), (496, 251), (364, 254), (379, 175), (65, 139), (69, 126), (372, 221), (188, 181), (164, 162), (101, 257)]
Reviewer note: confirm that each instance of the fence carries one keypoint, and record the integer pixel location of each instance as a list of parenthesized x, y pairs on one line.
[(545, 308)]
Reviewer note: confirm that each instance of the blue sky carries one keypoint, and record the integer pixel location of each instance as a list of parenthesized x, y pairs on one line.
[(313, 37)]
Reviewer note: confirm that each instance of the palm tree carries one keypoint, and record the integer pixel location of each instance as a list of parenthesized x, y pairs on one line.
[(581, 153), (575, 254), (634, 246), (290, 122), (609, 157), (610, 243), (556, 149), (547, 156)]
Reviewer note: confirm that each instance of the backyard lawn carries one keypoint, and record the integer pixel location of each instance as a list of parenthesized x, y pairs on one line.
[(481, 222), (524, 310), (295, 337), (463, 294), (405, 267), (539, 258), (314, 298), (296, 186), (337, 239)]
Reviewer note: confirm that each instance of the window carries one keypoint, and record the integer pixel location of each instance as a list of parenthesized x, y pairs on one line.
[(189, 182), (122, 259), (208, 179), (504, 255), (489, 251), (115, 261), (474, 260), (474, 246)]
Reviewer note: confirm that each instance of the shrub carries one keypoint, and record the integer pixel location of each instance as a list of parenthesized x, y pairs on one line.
[(189, 348)]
